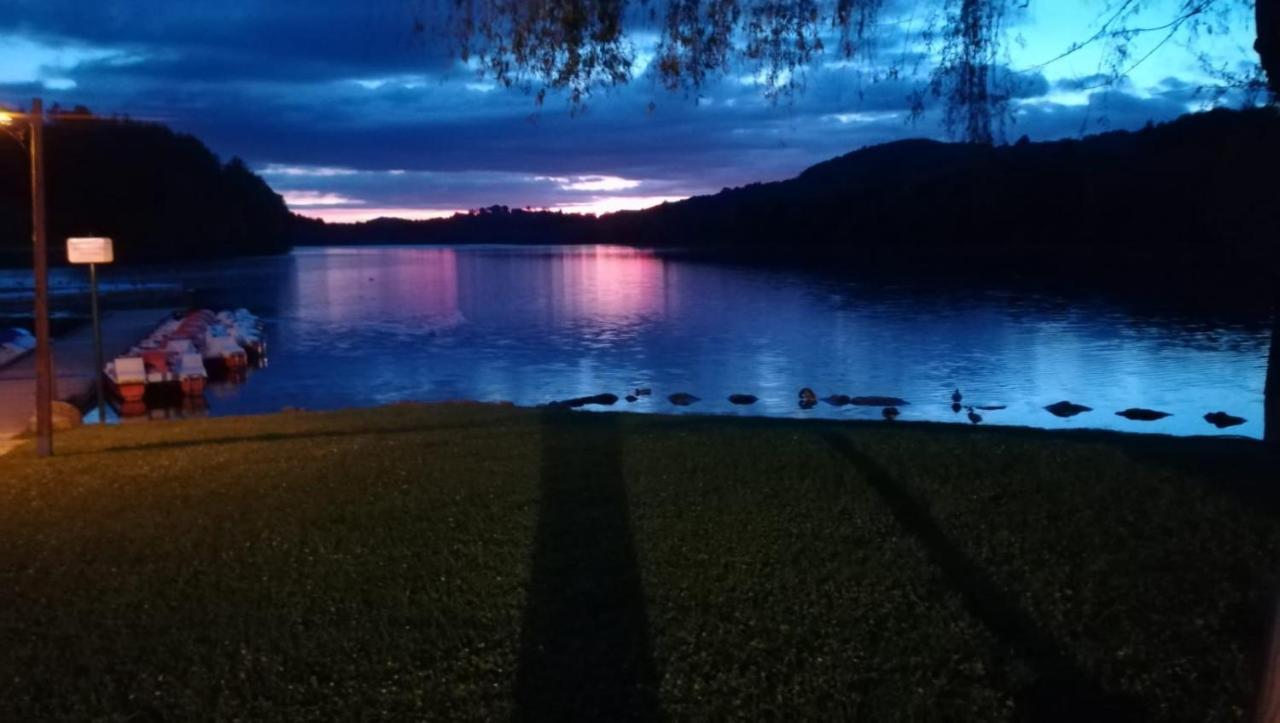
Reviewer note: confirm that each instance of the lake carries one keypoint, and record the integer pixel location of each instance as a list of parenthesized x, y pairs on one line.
[(372, 325)]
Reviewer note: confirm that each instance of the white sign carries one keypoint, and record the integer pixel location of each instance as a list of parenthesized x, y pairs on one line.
[(90, 250)]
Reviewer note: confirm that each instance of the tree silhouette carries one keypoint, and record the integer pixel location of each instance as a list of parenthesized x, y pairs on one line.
[(161, 195), (580, 46)]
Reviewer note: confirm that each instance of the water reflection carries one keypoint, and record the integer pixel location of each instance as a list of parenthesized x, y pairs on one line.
[(353, 327)]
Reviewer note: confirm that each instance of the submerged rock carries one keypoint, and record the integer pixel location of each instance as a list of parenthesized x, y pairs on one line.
[(878, 401), (808, 400), (1142, 415), (1066, 409), (605, 399), (682, 399), (837, 400), (1222, 420), (890, 413), (743, 398)]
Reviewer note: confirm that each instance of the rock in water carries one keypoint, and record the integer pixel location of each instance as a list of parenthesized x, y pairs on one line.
[(1066, 409), (605, 399), (682, 399), (1222, 420), (878, 401), (807, 398), (890, 413), (743, 398), (1142, 415), (837, 400), (631, 397), (65, 417)]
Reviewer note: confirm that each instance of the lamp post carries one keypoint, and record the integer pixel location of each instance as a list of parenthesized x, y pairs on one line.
[(34, 121)]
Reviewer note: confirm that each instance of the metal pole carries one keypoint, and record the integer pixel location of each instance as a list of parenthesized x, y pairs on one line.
[(97, 345), (44, 351)]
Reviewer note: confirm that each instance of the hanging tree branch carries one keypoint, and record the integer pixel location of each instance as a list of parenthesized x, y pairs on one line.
[(577, 47)]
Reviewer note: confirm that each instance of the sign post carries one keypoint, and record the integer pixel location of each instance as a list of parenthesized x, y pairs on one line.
[(93, 251)]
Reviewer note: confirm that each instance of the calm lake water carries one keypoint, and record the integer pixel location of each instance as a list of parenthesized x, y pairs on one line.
[(371, 325)]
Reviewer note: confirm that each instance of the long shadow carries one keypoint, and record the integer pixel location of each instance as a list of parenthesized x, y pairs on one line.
[(1062, 691), (585, 651), (285, 436)]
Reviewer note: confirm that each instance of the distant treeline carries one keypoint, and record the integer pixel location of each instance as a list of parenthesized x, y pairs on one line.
[(160, 195), (1197, 197), (491, 225)]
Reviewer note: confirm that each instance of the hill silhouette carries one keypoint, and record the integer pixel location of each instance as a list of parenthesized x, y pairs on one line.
[(1194, 198), (161, 195), (1198, 190)]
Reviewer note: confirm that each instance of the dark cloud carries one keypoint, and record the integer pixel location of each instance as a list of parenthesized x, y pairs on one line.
[(343, 85)]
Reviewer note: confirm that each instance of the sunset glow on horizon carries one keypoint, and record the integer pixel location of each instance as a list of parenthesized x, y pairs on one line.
[(359, 214)]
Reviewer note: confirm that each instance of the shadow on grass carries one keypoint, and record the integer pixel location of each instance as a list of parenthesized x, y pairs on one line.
[(584, 651), (1062, 691), (286, 436)]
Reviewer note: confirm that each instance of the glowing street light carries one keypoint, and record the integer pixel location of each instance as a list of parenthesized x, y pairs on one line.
[(34, 142)]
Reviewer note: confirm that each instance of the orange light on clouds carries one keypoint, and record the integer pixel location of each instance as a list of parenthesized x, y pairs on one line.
[(609, 204), (310, 207)]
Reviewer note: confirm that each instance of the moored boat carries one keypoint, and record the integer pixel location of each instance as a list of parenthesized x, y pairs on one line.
[(127, 378), (191, 374), (222, 353)]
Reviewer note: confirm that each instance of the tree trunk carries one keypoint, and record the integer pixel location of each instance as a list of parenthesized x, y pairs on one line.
[(1268, 47), (1267, 13), (1271, 395)]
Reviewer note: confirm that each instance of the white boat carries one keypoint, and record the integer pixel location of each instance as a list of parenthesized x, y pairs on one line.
[(191, 373), (223, 353), (127, 378)]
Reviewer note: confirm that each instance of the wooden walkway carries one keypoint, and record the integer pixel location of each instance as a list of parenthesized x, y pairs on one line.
[(73, 367)]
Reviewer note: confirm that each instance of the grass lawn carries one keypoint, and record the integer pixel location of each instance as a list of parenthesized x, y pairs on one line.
[(481, 563)]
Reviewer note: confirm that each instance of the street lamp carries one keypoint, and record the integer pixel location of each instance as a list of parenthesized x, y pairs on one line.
[(34, 143)]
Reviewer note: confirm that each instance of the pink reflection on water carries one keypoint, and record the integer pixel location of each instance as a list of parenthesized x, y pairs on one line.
[(610, 283), (411, 283)]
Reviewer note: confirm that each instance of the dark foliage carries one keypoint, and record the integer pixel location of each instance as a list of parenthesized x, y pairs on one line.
[(578, 47), (160, 195), (1196, 193), (492, 225), (1193, 196)]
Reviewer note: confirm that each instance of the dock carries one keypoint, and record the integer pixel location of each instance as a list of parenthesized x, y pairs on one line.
[(73, 363)]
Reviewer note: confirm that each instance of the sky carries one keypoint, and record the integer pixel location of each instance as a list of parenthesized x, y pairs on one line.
[(350, 114)]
